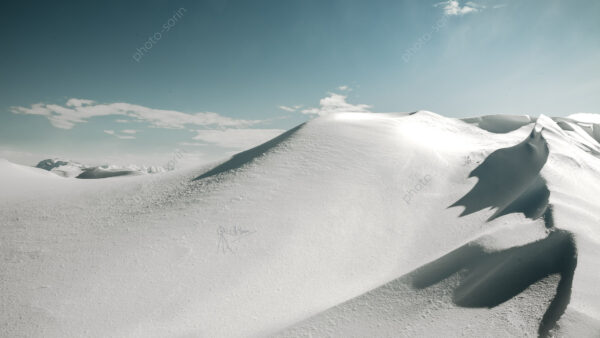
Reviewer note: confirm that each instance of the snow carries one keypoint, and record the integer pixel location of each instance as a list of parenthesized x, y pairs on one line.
[(325, 230), (16, 178), (67, 168), (500, 123), (586, 117)]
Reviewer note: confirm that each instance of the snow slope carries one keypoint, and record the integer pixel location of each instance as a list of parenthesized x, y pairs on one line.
[(349, 225)]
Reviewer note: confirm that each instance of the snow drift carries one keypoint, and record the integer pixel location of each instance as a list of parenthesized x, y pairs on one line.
[(350, 225)]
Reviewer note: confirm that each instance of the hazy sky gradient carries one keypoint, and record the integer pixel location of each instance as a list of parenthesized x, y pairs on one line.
[(270, 61)]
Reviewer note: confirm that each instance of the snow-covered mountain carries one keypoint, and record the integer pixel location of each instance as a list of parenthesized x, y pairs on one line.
[(67, 168), (64, 168), (350, 225)]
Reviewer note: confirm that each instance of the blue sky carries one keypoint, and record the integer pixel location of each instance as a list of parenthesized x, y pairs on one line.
[(119, 81)]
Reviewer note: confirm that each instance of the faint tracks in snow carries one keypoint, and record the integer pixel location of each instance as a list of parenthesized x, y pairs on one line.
[(228, 235)]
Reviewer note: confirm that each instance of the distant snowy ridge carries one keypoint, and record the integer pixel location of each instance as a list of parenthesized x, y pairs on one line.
[(67, 168), (587, 122)]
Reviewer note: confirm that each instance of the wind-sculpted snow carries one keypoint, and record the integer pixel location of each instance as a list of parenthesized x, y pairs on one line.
[(96, 172), (239, 160), (588, 122), (340, 227), (493, 278), (500, 123), (533, 202), (475, 278), (478, 276), (489, 279), (576, 123), (509, 181)]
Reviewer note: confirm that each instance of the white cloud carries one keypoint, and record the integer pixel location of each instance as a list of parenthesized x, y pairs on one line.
[(290, 109), (79, 102), (286, 108), (122, 121), (452, 7), (336, 103), (123, 137), (237, 138), (79, 111), (344, 88)]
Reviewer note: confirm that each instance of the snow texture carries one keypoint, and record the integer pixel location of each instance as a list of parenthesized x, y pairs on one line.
[(350, 225)]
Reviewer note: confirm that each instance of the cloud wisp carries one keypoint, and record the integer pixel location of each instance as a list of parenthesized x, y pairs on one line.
[(121, 136), (290, 108), (453, 7), (80, 111), (336, 103)]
